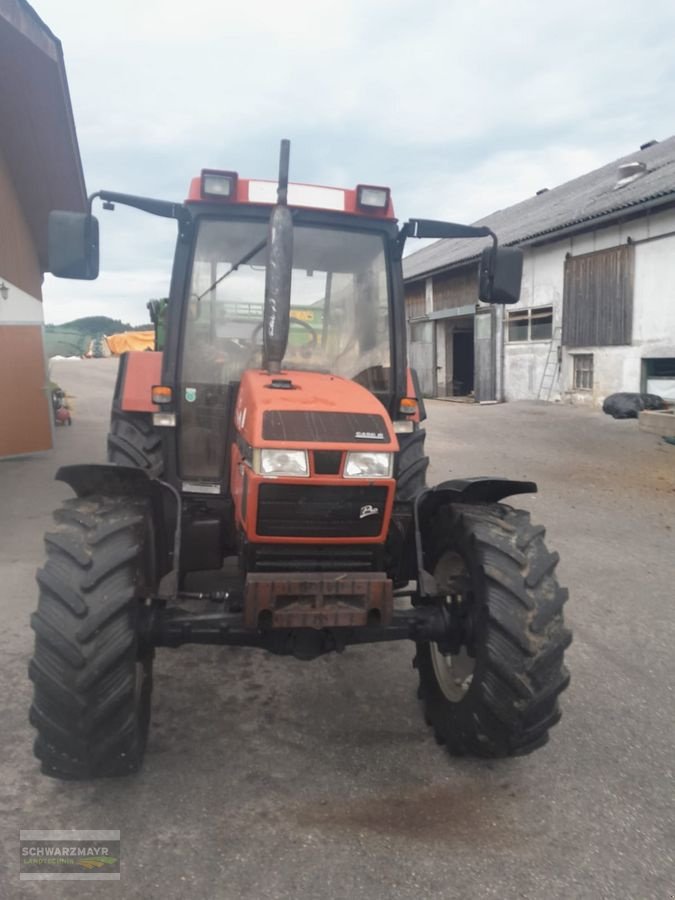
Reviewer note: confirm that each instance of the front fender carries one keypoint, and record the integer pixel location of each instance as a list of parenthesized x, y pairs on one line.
[(91, 478), (119, 481), (459, 490), (474, 490)]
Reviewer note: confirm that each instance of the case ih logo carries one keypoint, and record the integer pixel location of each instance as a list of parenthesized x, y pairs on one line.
[(368, 510), (369, 436)]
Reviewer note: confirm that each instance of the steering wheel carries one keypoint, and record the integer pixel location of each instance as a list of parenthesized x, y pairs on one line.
[(314, 334)]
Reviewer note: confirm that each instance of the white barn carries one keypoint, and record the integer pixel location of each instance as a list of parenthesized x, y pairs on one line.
[(597, 308)]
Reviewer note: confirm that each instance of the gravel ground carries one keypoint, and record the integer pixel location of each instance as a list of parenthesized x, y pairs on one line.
[(270, 778)]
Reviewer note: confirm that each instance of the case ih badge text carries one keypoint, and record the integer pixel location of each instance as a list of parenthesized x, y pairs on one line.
[(369, 435)]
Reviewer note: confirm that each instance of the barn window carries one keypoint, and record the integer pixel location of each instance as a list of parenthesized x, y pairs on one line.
[(598, 298), (541, 324), (518, 325), (583, 372), (531, 324)]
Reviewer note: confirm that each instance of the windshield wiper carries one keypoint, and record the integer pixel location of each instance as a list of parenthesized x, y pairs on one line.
[(233, 268)]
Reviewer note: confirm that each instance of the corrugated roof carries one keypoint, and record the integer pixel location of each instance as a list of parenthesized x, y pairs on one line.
[(578, 201)]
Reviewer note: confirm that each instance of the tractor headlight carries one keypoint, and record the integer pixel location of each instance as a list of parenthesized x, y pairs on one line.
[(281, 462), (219, 185), (365, 464), (369, 197)]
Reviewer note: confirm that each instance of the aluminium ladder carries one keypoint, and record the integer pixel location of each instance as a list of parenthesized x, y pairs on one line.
[(551, 371)]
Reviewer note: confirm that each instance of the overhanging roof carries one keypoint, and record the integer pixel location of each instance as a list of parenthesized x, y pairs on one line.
[(578, 204), (39, 142)]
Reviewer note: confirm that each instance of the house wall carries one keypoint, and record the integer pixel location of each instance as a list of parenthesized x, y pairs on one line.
[(615, 368), (18, 256), (25, 424)]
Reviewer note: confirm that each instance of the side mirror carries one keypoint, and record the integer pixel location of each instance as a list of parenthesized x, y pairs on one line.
[(500, 273), (72, 245)]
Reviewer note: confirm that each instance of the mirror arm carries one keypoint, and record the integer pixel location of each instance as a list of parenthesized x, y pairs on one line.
[(405, 231), (164, 208), (412, 228), (493, 255)]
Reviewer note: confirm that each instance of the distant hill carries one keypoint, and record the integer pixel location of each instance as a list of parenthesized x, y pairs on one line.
[(97, 325), (73, 338)]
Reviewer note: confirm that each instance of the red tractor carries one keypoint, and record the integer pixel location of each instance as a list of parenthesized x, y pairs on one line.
[(274, 441)]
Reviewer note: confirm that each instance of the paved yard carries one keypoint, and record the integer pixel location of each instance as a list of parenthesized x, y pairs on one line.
[(270, 778)]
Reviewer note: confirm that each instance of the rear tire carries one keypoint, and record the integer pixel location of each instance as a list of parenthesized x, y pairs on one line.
[(134, 441), (499, 697), (411, 465), (92, 675)]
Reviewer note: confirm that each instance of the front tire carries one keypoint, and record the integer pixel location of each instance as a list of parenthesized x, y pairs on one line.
[(497, 694), (134, 441), (92, 675), (411, 465)]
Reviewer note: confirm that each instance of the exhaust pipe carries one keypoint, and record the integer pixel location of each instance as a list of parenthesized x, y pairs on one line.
[(279, 271)]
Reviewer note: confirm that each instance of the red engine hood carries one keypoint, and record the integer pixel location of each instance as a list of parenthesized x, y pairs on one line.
[(325, 411)]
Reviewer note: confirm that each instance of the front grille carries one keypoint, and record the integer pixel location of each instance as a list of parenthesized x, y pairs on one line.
[(287, 510)]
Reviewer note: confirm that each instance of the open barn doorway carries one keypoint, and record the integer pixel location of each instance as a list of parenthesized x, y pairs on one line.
[(459, 357)]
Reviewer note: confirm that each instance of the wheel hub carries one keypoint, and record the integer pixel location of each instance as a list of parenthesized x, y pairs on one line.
[(454, 660)]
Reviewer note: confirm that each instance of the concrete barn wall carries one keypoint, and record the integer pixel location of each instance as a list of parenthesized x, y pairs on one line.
[(615, 368), (542, 286)]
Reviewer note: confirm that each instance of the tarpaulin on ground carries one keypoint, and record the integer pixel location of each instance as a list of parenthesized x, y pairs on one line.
[(131, 340), (626, 405)]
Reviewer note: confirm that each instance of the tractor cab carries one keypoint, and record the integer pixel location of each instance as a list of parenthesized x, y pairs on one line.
[(340, 308)]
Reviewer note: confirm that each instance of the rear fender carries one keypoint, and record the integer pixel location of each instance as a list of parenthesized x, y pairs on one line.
[(118, 481), (459, 490), (139, 371)]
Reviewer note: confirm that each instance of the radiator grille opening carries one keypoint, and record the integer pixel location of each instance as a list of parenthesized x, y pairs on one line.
[(286, 510), (315, 557)]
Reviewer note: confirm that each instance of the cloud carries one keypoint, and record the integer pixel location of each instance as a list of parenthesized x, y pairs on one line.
[(496, 182), (461, 107)]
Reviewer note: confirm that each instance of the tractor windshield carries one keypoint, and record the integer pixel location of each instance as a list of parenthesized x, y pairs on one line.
[(339, 317)]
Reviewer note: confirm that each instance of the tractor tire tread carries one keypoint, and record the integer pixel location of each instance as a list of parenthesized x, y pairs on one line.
[(87, 665), (410, 465), (512, 700), (134, 441)]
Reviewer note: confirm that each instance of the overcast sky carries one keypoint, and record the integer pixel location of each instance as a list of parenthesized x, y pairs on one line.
[(461, 107)]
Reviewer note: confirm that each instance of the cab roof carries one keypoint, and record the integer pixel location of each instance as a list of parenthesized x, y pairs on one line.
[(260, 192)]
